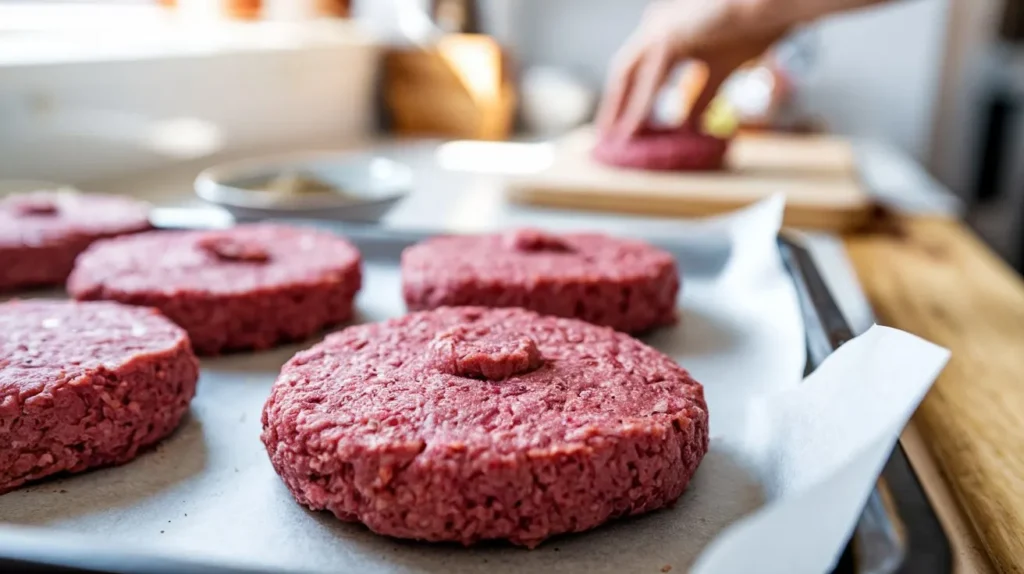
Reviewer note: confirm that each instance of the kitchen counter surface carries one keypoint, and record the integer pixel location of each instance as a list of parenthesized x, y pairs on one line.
[(922, 271), (933, 277)]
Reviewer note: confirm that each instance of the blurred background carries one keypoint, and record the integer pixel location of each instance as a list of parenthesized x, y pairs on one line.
[(91, 91)]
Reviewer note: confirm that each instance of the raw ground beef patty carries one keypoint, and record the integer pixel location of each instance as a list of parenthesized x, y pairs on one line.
[(86, 384), (466, 424), (624, 284), (41, 233), (249, 287), (669, 149)]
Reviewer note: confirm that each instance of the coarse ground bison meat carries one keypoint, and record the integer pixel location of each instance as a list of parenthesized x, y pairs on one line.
[(624, 284), (248, 287), (84, 385), (467, 424)]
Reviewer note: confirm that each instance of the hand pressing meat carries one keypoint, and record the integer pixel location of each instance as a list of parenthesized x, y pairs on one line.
[(723, 34)]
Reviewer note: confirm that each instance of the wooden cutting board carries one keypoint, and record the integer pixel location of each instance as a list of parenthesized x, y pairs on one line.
[(816, 173)]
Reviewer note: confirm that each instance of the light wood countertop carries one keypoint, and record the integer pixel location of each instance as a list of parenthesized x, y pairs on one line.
[(933, 277)]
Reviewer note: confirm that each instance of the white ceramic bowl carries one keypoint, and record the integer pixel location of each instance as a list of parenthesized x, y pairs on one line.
[(369, 186)]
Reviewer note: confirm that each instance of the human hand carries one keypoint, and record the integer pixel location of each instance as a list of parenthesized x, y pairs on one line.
[(723, 34)]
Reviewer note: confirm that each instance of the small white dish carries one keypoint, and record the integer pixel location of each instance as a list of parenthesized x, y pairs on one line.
[(359, 187)]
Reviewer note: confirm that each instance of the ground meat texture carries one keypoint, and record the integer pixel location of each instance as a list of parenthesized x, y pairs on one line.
[(672, 149), (627, 285), (84, 385), (567, 426), (249, 287), (41, 233)]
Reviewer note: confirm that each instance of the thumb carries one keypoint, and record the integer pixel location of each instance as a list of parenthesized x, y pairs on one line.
[(717, 75)]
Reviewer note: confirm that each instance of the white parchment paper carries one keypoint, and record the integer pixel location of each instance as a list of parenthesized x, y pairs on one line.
[(789, 468)]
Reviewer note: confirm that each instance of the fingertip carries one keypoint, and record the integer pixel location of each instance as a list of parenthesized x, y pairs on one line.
[(717, 75), (628, 128), (650, 78), (689, 124), (604, 119), (617, 90)]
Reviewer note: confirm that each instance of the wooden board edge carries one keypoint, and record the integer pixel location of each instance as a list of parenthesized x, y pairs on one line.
[(848, 218)]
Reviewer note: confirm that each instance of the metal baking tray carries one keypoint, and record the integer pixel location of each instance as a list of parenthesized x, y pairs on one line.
[(897, 532)]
